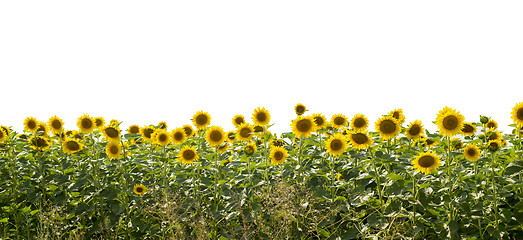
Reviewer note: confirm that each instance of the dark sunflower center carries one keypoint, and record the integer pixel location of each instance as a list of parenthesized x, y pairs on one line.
[(258, 129), (162, 137), (339, 121), (336, 144), (231, 136), (491, 125), (493, 136), (139, 189), (300, 110), (201, 119), (215, 136), (249, 150), (1, 134), (31, 124), (261, 117), (426, 161), (178, 136), (471, 152), (188, 131), (278, 155), (359, 122), (112, 132), (113, 149), (134, 130), (188, 155), (429, 142), (56, 124), (40, 142), (494, 145), (519, 114), (41, 128), (396, 115), (98, 122), (304, 125), (318, 121), (450, 122), (239, 120), (468, 128), (86, 123), (414, 130), (163, 125), (387, 126), (245, 132), (147, 132), (360, 138), (72, 145)]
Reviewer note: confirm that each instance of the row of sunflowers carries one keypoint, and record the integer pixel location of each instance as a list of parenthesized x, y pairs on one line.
[(328, 179)]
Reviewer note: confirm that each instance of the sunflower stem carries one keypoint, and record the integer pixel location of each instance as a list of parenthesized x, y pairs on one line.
[(494, 190), (300, 167), (216, 177), (449, 181), (415, 192), (333, 177)]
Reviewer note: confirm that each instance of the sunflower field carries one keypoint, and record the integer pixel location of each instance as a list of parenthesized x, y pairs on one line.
[(337, 178)]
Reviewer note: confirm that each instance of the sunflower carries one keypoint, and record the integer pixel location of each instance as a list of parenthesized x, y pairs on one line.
[(226, 161), (339, 120), (111, 133), (300, 109), (178, 136), (39, 143), (30, 124), (223, 147), (360, 139), (133, 129), (113, 150), (215, 136), (426, 162), (238, 120), (162, 125), (3, 135), (187, 155), (231, 136), (162, 138), (517, 113), (494, 145), (250, 148), (244, 132), (491, 125), (56, 125), (22, 136), (147, 132), (471, 152), (278, 155), (277, 143), (303, 126), (99, 122), (398, 115), (189, 131), (494, 135), (85, 124), (114, 123), (456, 143), (6, 129), (71, 146), (429, 142), (449, 121), (336, 144), (42, 129), (359, 122), (414, 130), (139, 189), (468, 129), (258, 129), (319, 120), (388, 127), (201, 119), (261, 116)]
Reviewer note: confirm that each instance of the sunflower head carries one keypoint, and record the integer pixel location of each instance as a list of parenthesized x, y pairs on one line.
[(178, 136), (238, 120), (56, 125), (303, 126), (278, 155), (187, 155), (336, 144), (139, 189), (300, 109), (201, 119), (39, 143), (388, 127), (113, 150), (99, 122), (250, 148), (3, 135), (30, 124), (111, 133), (468, 129), (426, 162), (162, 138), (42, 129), (261, 116), (494, 135), (517, 113), (359, 122), (456, 143), (162, 125), (71, 146), (319, 120), (398, 115), (449, 121), (114, 123), (231, 136), (471, 152), (215, 136), (491, 125), (133, 129), (147, 132), (360, 139), (414, 130), (244, 132), (85, 123), (494, 145), (339, 120), (189, 131), (277, 143), (222, 147)]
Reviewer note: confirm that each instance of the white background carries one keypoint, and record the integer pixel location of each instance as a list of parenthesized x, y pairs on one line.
[(142, 62)]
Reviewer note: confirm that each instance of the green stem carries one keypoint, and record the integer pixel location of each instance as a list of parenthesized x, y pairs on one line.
[(333, 177), (300, 181), (449, 181), (494, 190)]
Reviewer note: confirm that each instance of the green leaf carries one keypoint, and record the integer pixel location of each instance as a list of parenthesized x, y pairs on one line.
[(323, 232), (393, 176), (518, 212), (34, 212), (4, 220)]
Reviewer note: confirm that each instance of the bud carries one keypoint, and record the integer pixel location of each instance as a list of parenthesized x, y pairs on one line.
[(483, 119)]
